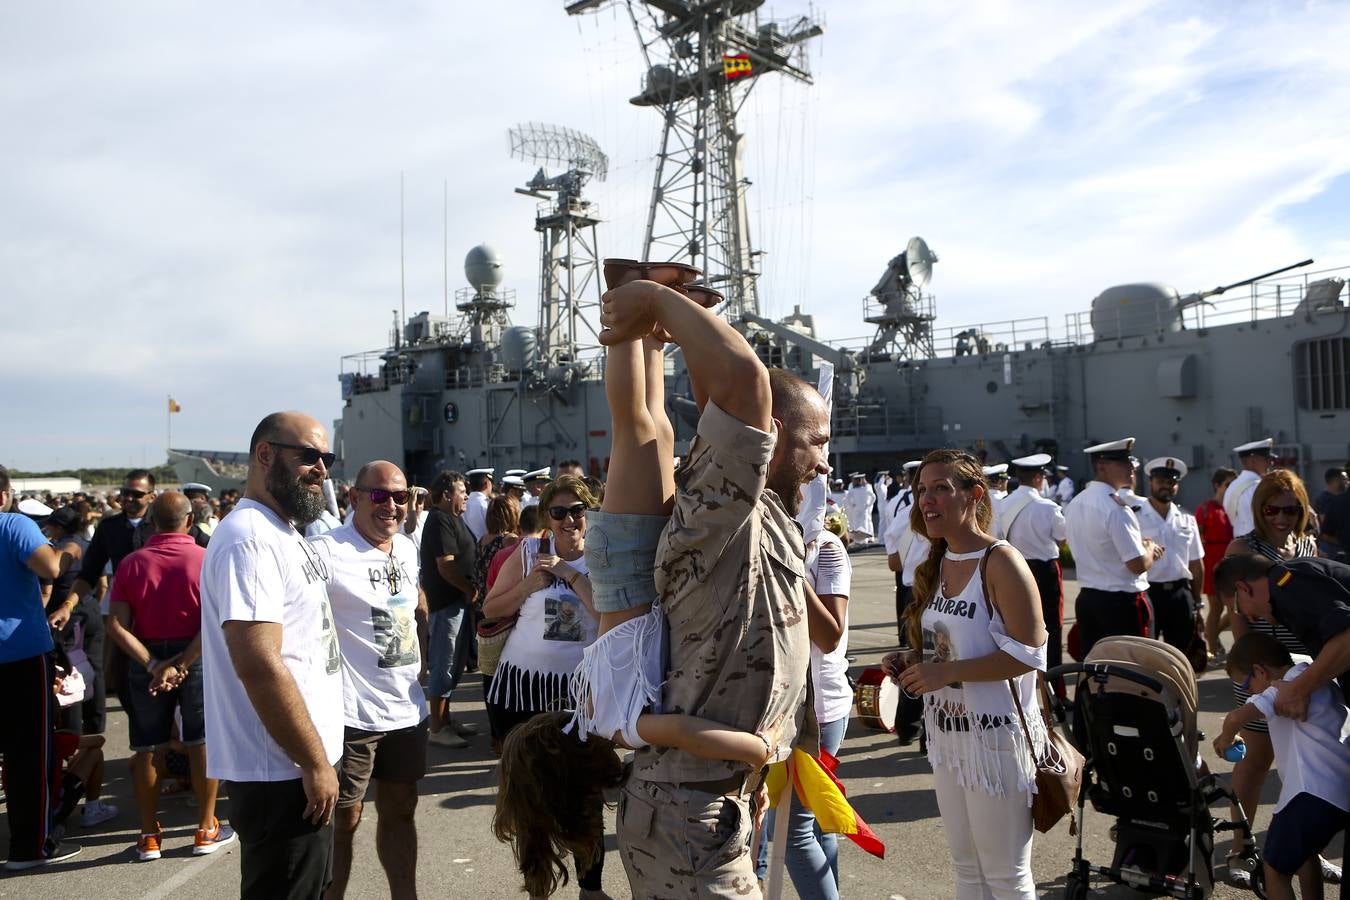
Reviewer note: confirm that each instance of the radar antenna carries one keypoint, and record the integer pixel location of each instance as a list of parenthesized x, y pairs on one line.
[(703, 57), (898, 307), (569, 288)]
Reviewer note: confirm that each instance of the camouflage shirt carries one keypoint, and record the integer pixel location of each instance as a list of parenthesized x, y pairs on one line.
[(730, 573)]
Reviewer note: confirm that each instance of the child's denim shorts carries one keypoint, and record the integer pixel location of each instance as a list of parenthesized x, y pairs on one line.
[(621, 557)]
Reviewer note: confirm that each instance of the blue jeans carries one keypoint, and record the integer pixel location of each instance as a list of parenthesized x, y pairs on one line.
[(812, 856), (447, 648)]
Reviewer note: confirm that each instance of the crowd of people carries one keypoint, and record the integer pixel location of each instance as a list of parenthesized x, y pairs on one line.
[(296, 646)]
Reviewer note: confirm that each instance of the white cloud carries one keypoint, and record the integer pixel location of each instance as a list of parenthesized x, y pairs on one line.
[(205, 203)]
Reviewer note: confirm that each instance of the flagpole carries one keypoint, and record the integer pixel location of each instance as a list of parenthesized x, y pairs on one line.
[(168, 425)]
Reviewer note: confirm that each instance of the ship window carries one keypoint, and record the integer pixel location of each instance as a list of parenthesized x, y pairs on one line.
[(1323, 371)]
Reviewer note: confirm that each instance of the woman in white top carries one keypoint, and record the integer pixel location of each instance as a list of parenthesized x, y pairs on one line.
[(982, 758)]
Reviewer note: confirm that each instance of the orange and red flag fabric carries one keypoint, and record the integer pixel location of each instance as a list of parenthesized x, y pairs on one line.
[(173, 406), (818, 790)]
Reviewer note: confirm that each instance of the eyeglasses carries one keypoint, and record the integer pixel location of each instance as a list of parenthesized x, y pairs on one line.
[(379, 496), (1272, 510), (1247, 682), (309, 455), (576, 511), (133, 494)]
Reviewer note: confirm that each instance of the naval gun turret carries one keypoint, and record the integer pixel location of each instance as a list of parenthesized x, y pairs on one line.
[(1136, 310)]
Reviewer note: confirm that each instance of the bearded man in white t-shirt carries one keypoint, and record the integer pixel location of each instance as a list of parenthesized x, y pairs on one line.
[(271, 665), (378, 608)]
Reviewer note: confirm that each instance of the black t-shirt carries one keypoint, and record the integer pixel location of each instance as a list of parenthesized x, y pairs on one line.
[(446, 535), (114, 540), (1311, 597)]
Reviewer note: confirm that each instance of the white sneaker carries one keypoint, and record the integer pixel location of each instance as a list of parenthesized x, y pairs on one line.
[(446, 737), (96, 812)]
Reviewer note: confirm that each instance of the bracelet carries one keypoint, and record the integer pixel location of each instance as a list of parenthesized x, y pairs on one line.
[(768, 750), (150, 664)]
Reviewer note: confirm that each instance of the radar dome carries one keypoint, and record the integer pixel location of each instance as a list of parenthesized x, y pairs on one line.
[(1135, 310), (518, 348), (483, 268)]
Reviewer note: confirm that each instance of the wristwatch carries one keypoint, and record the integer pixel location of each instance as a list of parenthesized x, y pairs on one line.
[(150, 664)]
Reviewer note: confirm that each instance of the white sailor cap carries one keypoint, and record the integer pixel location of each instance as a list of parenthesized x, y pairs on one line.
[(837, 481), (1117, 450), (857, 474), (538, 475), (31, 506), (1261, 446), (513, 481), (912, 465), (883, 472), (488, 472), (1165, 465), (517, 472), (1034, 461), (1127, 497), (1061, 468), (998, 471), (189, 486)]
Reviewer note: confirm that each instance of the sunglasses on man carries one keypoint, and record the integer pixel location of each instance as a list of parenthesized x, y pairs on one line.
[(379, 496), (133, 494), (309, 455), (558, 513)]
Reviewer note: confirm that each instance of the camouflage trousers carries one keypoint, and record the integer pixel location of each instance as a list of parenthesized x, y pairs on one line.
[(681, 843)]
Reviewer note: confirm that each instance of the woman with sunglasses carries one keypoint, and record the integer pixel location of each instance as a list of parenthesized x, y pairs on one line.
[(1282, 531), (975, 603), (545, 581)]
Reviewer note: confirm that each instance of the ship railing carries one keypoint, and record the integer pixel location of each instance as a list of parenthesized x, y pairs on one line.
[(874, 419), (472, 376), (992, 337), (900, 308)]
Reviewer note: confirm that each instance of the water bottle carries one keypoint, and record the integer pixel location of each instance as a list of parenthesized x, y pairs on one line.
[(1236, 752)]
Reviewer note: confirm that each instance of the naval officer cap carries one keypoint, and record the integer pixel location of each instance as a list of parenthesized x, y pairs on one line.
[(488, 472), (1165, 467), (1035, 461), (34, 508), (1113, 450), (998, 471), (912, 465), (519, 473), (1262, 446), (857, 475), (538, 475), (513, 481), (190, 486)]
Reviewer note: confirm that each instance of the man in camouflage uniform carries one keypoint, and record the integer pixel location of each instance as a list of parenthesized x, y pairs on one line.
[(730, 573)]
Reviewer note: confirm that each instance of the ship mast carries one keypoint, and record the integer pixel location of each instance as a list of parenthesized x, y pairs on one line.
[(703, 58)]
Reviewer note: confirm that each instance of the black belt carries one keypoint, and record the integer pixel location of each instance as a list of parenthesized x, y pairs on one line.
[(737, 785), (945, 722), (1173, 585)]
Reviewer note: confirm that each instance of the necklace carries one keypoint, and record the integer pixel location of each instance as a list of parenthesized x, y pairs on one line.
[(962, 557)]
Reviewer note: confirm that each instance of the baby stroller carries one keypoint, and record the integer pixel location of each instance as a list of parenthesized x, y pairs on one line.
[(1133, 718)]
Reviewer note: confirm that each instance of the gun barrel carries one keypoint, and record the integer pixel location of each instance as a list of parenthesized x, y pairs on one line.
[(1247, 281)]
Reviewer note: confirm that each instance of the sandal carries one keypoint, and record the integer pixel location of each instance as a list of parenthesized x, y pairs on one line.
[(1237, 874), (1331, 873)]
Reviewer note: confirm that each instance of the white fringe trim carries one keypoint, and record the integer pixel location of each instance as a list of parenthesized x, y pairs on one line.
[(612, 685), (977, 764)]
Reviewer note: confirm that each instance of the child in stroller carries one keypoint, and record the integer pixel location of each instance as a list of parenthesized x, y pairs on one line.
[(1134, 719)]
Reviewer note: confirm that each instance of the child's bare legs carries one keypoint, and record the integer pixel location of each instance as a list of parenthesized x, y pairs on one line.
[(641, 477)]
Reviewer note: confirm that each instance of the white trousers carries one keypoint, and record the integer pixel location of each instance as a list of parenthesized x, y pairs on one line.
[(989, 837)]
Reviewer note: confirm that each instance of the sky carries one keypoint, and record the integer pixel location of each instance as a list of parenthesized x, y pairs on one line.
[(203, 201)]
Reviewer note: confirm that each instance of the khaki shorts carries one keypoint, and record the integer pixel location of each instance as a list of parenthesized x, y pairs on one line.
[(384, 755)]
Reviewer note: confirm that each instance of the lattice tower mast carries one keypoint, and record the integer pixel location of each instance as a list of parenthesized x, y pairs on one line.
[(702, 59), (569, 271)]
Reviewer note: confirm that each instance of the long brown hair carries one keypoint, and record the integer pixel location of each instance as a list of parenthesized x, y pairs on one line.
[(550, 803), (965, 471), (1277, 482)]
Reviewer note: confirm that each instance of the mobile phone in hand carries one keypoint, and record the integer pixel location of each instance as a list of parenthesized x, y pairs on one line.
[(546, 545)]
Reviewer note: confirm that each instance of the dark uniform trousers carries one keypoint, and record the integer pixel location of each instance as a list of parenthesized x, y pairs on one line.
[(908, 711), (1108, 613), (1174, 612), (1050, 584)]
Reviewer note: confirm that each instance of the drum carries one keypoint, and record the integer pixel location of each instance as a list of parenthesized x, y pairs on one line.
[(876, 698)]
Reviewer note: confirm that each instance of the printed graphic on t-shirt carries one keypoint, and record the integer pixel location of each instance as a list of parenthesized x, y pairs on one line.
[(332, 655), (563, 618), (395, 633), (938, 641)]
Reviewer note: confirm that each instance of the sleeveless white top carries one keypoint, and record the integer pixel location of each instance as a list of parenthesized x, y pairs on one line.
[(959, 717)]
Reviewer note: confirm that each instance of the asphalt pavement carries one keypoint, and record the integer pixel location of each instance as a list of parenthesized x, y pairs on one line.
[(891, 787)]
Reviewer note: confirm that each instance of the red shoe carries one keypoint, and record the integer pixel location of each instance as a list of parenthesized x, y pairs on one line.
[(147, 847), (209, 841)]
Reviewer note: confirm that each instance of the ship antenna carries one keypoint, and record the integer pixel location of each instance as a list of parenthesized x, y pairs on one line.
[(445, 243), (402, 280)]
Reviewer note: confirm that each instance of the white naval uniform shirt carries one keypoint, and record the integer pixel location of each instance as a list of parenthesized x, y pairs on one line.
[(901, 539), (858, 503), (1180, 537), (1237, 502), (1102, 535), (1036, 529), (475, 514)]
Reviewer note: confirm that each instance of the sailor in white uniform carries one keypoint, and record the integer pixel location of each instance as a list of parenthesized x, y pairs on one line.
[(997, 477), (1062, 490), (881, 488), (480, 492), (535, 482), (858, 504), (1035, 526), (837, 493), (1255, 459), (1110, 555), (905, 552), (513, 486), (1176, 579)]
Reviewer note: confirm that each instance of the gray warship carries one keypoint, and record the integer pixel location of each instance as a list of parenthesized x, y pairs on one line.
[(1188, 375)]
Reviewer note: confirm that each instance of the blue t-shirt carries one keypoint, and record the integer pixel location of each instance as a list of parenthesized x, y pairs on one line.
[(24, 631)]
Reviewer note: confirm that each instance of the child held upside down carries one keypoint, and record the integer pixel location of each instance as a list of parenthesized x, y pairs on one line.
[(556, 767)]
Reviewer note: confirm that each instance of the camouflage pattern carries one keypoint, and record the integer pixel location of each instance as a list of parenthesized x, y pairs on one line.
[(679, 843), (731, 575)]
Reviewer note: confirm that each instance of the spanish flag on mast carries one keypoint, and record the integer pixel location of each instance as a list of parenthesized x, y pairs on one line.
[(820, 791), (174, 406), (736, 65)]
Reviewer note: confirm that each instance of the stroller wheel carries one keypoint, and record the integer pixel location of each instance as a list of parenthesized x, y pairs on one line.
[(1075, 888)]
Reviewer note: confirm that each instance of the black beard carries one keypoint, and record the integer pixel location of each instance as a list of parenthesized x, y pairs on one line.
[(296, 500), (788, 487)]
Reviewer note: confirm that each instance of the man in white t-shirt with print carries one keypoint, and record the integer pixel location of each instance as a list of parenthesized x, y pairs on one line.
[(271, 665), (377, 608)]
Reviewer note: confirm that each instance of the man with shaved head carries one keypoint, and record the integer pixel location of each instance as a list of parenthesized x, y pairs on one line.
[(273, 679), (379, 610), (156, 621)]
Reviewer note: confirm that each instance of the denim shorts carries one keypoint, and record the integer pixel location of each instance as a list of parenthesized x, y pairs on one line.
[(150, 719), (621, 557)]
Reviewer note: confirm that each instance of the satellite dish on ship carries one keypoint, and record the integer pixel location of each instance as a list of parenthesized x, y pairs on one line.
[(919, 261)]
